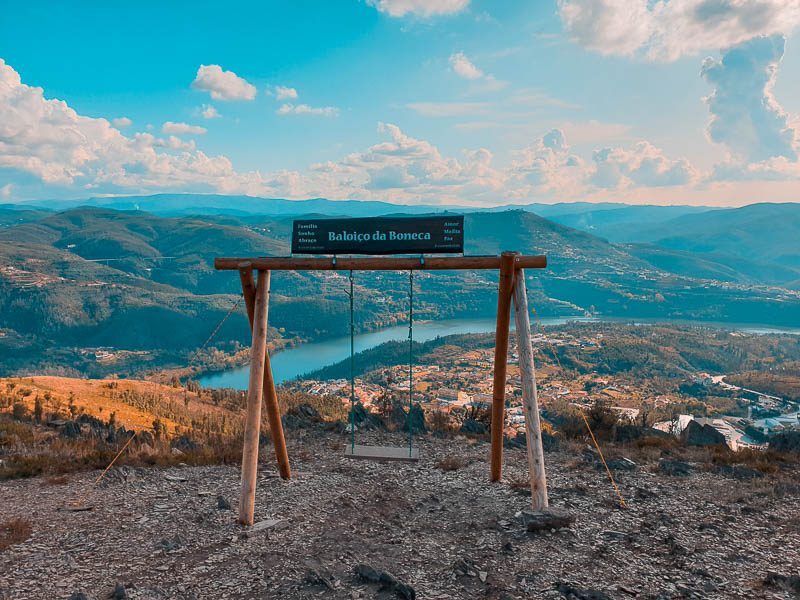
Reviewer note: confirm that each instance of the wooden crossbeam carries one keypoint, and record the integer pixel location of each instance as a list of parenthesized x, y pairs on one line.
[(427, 263)]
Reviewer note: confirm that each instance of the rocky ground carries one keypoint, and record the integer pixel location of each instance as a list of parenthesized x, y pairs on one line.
[(353, 529)]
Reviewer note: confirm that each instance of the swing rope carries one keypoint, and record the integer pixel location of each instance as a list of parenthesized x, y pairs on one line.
[(352, 371), (351, 296), (410, 359)]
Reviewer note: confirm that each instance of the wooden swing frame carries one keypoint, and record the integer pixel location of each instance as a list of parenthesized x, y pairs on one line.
[(261, 384)]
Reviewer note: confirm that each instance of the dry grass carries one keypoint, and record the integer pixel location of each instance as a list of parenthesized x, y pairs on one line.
[(14, 531)]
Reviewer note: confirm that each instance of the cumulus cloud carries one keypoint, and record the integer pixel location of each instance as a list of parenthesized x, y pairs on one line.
[(305, 109), (45, 143), (223, 85), (285, 93), (182, 129), (209, 112), (121, 122), (665, 31), (744, 113), (643, 165), (421, 8), (548, 168), (47, 149)]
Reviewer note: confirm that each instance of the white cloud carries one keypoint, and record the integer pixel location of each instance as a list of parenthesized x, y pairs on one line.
[(209, 112), (121, 122), (481, 81), (305, 109), (665, 31), (421, 8), (285, 93), (182, 129), (644, 165), (744, 113), (223, 85), (463, 67), (48, 148)]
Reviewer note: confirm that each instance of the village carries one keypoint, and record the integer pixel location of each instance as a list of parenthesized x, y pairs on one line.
[(458, 383)]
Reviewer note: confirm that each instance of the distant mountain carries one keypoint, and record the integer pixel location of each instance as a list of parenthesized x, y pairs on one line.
[(567, 213), (759, 232), (620, 223), (215, 204), (131, 280)]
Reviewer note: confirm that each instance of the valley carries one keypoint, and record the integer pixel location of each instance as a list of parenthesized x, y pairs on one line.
[(72, 282)]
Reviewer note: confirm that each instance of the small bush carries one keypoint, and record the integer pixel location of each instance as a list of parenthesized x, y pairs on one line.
[(14, 531)]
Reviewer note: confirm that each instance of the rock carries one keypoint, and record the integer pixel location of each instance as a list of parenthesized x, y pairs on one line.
[(365, 419), (676, 468), (222, 503), (415, 420), (315, 575), (549, 518), (386, 580), (741, 473), (785, 441), (630, 433), (572, 592), (171, 544), (301, 416), (119, 593), (177, 452), (71, 430), (185, 444), (472, 426), (274, 524), (482, 575), (622, 464), (79, 596), (701, 435), (789, 583)]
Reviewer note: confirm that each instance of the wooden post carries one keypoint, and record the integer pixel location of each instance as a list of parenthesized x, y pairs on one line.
[(252, 427), (270, 395), (507, 260), (530, 402)]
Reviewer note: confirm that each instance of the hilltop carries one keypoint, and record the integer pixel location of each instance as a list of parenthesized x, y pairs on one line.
[(439, 528)]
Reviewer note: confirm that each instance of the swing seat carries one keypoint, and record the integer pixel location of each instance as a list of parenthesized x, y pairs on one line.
[(387, 453)]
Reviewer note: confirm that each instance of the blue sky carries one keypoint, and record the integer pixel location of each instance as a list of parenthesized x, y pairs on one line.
[(685, 101)]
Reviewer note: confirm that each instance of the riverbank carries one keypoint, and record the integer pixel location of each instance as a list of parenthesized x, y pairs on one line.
[(303, 359)]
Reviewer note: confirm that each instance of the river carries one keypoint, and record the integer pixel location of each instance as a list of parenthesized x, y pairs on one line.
[(305, 358), (293, 362)]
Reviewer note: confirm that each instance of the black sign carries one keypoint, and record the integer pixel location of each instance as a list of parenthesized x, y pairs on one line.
[(380, 235)]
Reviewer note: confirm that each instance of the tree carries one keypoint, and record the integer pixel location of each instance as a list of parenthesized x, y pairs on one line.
[(38, 410)]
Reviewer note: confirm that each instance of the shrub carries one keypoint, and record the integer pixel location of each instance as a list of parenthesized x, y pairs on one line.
[(19, 411), (14, 531)]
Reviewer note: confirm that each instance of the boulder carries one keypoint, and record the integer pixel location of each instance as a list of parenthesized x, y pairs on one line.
[(674, 467), (365, 419), (415, 420), (547, 519), (701, 435), (71, 430)]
